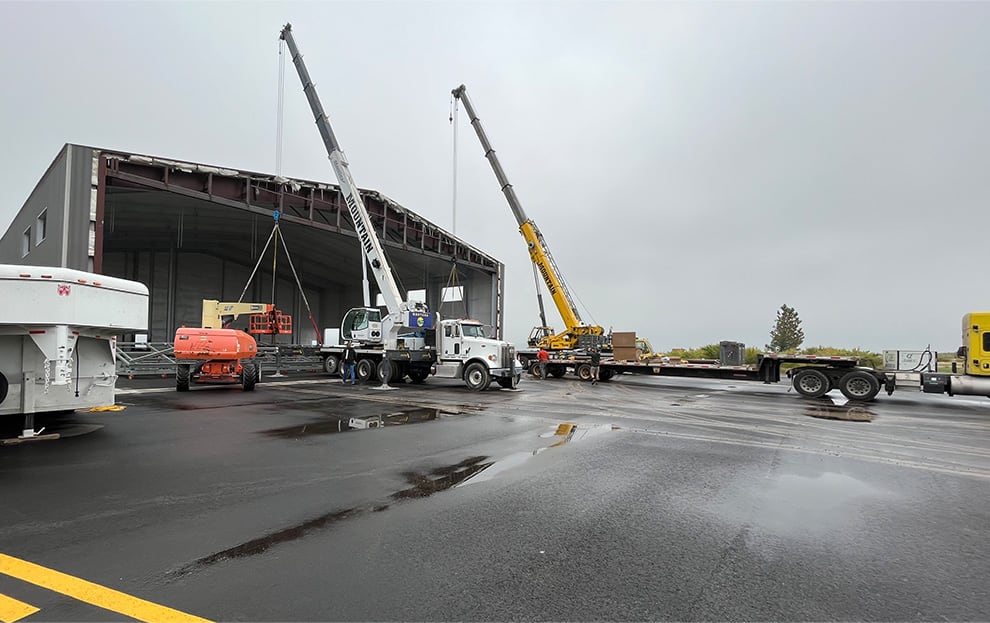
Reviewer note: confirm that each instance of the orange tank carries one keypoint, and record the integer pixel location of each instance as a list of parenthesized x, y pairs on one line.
[(214, 344)]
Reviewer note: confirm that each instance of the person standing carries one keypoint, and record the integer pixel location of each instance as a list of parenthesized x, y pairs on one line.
[(543, 357), (596, 359), (350, 358)]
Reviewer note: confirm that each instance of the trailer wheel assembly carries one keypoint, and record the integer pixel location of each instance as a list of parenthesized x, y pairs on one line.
[(182, 378), (859, 385), (584, 371), (4, 386), (331, 364), (811, 383)]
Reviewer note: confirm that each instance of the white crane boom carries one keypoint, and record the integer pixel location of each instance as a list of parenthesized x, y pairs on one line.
[(402, 313)]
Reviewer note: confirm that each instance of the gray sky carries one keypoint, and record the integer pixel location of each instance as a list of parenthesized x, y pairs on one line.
[(692, 165)]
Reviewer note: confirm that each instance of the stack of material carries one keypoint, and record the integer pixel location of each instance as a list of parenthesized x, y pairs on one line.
[(624, 346)]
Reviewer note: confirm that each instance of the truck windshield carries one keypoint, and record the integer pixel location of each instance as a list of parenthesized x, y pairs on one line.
[(473, 330)]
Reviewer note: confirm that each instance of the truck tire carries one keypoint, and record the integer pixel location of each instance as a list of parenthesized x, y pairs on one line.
[(364, 370), (557, 371), (859, 385), (4, 387), (182, 377), (534, 368), (509, 382), (583, 372), (476, 377), (249, 377), (811, 383), (605, 374), (331, 364), (418, 375)]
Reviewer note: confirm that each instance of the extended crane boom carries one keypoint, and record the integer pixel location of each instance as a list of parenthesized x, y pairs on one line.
[(401, 312), (539, 252)]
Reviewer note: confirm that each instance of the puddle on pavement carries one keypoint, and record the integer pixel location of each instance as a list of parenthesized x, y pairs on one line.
[(335, 423), (847, 412), (262, 544), (441, 479), (424, 485)]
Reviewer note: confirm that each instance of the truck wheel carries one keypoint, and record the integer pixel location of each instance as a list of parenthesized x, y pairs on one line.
[(859, 385), (249, 377), (476, 376), (418, 375), (583, 372), (331, 364), (364, 370), (534, 368), (605, 374), (4, 387), (509, 382), (811, 383), (557, 372), (182, 377)]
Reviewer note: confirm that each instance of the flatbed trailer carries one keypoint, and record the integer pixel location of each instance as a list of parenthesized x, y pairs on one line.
[(811, 376)]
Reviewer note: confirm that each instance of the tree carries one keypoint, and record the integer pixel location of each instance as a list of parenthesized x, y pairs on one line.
[(786, 333)]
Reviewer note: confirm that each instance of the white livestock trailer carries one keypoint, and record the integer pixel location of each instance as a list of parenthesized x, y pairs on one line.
[(57, 338)]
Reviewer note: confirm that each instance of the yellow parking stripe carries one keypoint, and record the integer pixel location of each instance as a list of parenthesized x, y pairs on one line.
[(99, 596), (12, 610)]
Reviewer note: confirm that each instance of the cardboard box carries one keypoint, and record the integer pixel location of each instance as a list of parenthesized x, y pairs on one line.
[(624, 354), (624, 339)]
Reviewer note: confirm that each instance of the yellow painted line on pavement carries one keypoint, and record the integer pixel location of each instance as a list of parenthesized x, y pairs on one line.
[(12, 610), (99, 596)]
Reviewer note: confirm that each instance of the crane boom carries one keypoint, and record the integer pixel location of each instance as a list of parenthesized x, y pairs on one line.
[(539, 252), (371, 246)]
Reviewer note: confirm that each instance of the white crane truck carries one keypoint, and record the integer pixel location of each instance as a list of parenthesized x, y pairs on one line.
[(407, 340), (57, 330)]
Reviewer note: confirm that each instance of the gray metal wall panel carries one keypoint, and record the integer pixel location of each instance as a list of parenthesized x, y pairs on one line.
[(81, 196), (48, 194), (160, 329)]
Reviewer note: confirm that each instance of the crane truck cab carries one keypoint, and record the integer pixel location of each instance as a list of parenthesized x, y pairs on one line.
[(466, 352)]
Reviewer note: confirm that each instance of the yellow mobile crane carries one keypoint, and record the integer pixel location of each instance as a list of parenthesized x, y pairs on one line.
[(577, 334)]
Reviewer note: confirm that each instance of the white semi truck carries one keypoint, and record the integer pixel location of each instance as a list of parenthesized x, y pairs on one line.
[(408, 340), (57, 338)]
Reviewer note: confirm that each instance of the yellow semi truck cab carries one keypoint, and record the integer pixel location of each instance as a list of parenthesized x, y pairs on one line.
[(976, 343)]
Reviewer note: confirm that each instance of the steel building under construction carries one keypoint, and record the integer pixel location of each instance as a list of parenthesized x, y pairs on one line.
[(192, 232)]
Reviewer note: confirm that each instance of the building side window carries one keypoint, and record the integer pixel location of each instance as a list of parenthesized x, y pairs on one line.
[(26, 242), (41, 227)]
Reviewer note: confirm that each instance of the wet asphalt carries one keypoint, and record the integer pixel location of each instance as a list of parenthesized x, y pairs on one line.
[(669, 500)]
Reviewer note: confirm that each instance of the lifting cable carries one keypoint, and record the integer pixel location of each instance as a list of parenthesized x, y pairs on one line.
[(276, 235), (452, 281), (279, 108)]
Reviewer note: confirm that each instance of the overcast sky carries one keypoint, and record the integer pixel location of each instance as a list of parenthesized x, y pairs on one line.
[(692, 165)]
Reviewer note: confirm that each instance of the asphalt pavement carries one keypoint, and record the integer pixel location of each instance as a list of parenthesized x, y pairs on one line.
[(638, 499)]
